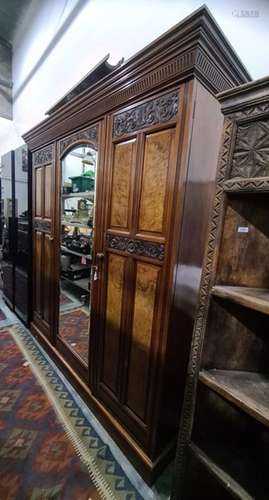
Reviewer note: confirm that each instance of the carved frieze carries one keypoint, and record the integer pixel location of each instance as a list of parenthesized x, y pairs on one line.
[(136, 247), (43, 156), (183, 64), (251, 152), (210, 71), (42, 225), (89, 134), (249, 185), (153, 112), (251, 111)]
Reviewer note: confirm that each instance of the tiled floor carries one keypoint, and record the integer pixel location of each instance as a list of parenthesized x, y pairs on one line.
[(162, 487)]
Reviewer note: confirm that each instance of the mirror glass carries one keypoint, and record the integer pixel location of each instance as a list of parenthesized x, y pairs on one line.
[(77, 232)]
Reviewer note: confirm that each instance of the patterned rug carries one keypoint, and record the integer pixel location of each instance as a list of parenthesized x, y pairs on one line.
[(64, 299), (2, 315), (74, 329), (48, 449)]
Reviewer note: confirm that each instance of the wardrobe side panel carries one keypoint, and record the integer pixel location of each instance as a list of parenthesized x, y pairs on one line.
[(205, 138)]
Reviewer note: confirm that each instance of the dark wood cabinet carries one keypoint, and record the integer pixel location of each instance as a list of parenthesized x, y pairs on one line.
[(223, 438), (16, 238), (154, 126)]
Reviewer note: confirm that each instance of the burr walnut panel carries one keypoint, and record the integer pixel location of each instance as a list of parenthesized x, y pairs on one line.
[(48, 189), (115, 281), (43, 278), (154, 181), (47, 277), (37, 271), (144, 304), (38, 192), (121, 184)]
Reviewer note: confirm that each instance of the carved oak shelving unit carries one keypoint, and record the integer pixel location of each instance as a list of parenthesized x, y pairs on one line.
[(224, 437)]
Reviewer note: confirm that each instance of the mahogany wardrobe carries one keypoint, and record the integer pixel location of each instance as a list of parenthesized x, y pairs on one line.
[(123, 178)]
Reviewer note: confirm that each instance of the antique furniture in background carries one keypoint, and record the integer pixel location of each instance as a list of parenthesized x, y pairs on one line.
[(16, 221), (155, 125), (223, 439)]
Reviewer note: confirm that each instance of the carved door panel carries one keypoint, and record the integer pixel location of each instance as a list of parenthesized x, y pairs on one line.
[(43, 251), (141, 176)]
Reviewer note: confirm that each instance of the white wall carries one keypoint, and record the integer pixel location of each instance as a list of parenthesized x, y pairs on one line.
[(10, 137), (120, 27)]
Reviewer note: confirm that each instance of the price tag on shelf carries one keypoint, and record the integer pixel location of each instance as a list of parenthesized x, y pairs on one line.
[(83, 260)]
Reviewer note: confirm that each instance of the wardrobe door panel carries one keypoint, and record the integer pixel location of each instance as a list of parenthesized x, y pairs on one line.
[(43, 211), (140, 176), (141, 336), (115, 281), (122, 184), (154, 181)]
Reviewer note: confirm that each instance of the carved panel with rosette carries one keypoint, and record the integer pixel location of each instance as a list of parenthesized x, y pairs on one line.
[(43, 156), (89, 134), (153, 112), (136, 247), (251, 152), (42, 225)]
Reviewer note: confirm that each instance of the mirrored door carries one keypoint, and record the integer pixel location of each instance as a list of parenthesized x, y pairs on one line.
[(77, 229)]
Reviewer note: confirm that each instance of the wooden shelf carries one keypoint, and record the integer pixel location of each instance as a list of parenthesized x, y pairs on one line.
[(67, 250), (253, 298), (83, 194), (247, 390), (225, 479), (81, 283), (75, 224)]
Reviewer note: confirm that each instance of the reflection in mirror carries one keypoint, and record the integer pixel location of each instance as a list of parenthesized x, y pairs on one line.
[(77, 230)]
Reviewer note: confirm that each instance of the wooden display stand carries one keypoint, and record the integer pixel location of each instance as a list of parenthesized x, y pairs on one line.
[(223, 441)]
